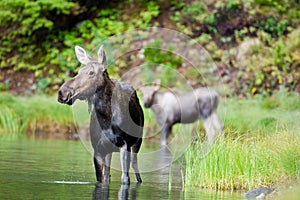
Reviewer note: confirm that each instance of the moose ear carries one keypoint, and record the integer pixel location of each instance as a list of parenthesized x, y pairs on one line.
[(102, 57), (81, 55), (156, 84)]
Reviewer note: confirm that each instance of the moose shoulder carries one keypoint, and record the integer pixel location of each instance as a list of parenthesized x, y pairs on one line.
[(173, 107), (117, 118)]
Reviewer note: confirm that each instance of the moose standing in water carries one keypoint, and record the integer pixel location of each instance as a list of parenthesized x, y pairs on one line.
[(173, 107), (117, 118)]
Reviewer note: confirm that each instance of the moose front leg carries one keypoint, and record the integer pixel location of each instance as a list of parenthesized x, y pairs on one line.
[(134, 163), (125, 163)]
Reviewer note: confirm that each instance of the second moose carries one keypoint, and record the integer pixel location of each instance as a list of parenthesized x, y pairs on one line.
[(173, 107)]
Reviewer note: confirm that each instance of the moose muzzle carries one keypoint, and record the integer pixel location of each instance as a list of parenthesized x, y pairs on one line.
[(65, 95)]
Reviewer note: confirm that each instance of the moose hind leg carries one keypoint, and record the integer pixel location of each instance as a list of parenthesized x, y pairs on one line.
[(98, 163), (106, 170), (125, 163), (217, 124), (165, 133), (209, 129), (134, 150)]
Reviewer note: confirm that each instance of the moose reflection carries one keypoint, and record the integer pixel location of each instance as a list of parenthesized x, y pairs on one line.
[(174, 107), (117, 118)]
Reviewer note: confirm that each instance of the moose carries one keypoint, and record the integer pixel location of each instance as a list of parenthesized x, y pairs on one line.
[(117, 118), (173, 107)]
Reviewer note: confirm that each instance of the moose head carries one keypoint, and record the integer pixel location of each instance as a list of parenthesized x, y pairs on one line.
[(148, 93), (89, 78)]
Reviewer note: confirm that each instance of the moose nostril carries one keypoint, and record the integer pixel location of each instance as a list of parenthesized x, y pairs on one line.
[(63, 94), (59, 93), (60, 96), (147, 104)]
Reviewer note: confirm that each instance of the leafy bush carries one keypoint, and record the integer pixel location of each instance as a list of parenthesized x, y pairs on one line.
[(155, 54), (39, 36), (277, 66), (45, 32), (26, 23), (162, 61)]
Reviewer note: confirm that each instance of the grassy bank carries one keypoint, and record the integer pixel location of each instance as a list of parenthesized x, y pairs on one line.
[(260, 147), (33, 114)]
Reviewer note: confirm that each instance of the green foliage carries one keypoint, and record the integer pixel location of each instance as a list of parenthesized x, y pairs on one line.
[(221, 26), (260, 147), (156, 54), (162, 61), (275, 66), (273, 26), (40, 36), (146, 16), (4, 86), (280, 6), (45, 33), (23, 21)]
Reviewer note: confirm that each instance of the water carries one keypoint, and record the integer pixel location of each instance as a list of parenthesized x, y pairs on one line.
[(62, 169)]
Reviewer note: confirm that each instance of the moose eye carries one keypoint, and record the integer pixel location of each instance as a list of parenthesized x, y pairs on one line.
[(91, 73)]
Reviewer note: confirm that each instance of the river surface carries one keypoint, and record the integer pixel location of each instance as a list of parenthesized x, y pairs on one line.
[(63, 169)]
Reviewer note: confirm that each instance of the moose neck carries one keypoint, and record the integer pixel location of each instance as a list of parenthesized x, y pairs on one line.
[(105, 91), (156, 98), (103, 95)]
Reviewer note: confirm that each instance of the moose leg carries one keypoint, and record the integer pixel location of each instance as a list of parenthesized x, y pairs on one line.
[(134, 150), (165, 133), (125, 163), (98, 163), (217, 124), (106, 170), (209, 129)]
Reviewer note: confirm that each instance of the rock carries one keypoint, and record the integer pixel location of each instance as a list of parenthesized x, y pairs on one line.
[(259, 193)]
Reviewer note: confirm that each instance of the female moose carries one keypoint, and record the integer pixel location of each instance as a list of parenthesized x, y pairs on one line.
[(117, 118)]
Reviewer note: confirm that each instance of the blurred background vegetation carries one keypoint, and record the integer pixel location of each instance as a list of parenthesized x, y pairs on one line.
[(254, 43)]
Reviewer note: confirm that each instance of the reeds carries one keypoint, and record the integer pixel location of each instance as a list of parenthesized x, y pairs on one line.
[(245, 163), (10, 122), (253, 152), (20, 114)]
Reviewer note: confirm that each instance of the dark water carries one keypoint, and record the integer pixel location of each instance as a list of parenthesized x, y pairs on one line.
[(56, 169)]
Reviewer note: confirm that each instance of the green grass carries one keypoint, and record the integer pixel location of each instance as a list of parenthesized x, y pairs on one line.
[(260, 147), (25, 114), (264, 115), (245, 163)]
